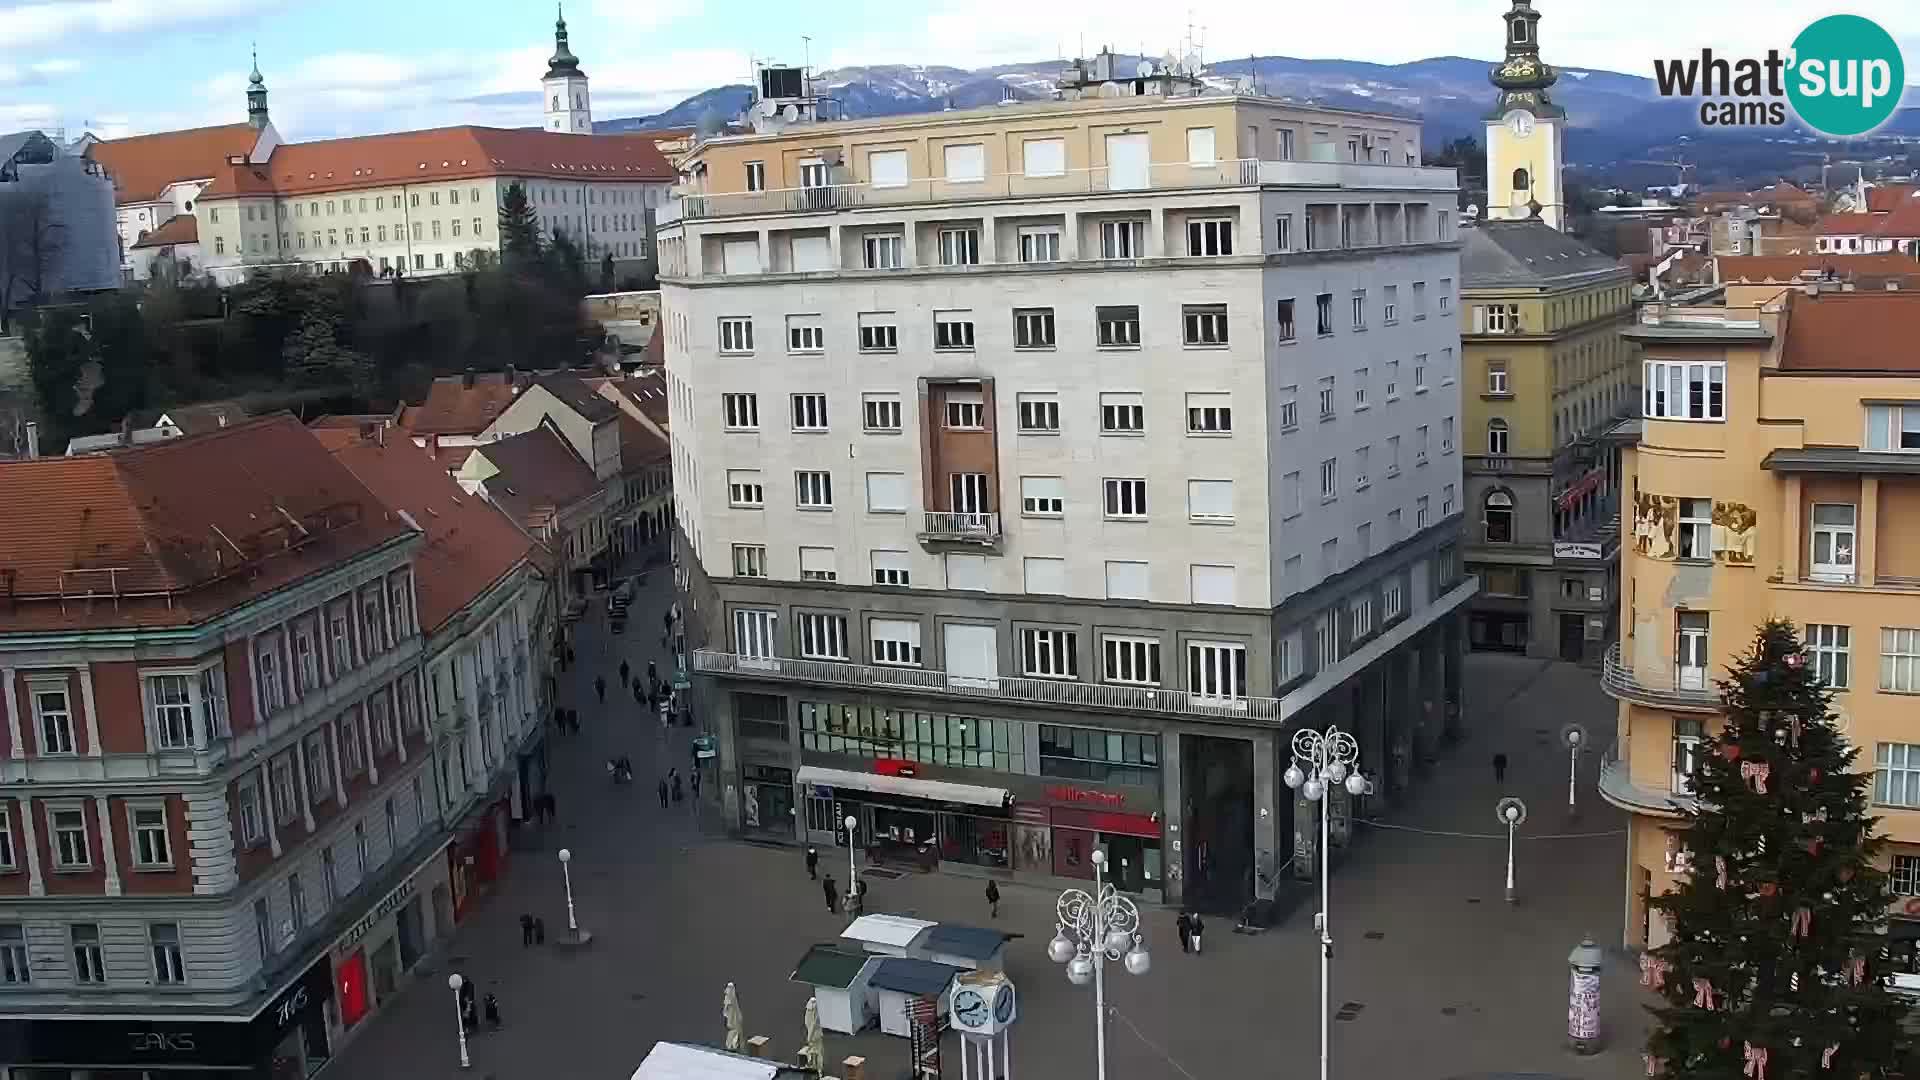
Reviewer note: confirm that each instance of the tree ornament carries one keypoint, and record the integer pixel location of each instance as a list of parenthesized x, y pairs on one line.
[(1793, 982), (1755, 774), (1719, 872), (1768, 889), (1826, 1056), (1856, 970), (1802, 922), (1813, 846), (1703, 994), (1730, 751), (1796, 660), (1653, 971), (1756, 1062), (1813, 777), (1654, 1064)]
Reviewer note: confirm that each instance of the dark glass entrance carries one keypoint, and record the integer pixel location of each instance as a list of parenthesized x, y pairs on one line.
[(1216, 784)]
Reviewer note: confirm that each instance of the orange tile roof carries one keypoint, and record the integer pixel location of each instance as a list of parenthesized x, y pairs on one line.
[(172, 533), (443, 154), (143, 166), (1847, 224), (539, 475), (454, 408), (1852, 331), (178, 229), (469, 546), (639, 446), (1886, 197), (1783, 268)]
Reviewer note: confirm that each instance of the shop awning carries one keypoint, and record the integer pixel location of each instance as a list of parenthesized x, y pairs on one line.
[(935, 790)]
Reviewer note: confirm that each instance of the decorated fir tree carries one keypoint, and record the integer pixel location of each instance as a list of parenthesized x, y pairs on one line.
[(1775, 969)]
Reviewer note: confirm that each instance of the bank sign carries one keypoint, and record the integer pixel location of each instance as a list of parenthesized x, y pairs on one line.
[(1843, 76)]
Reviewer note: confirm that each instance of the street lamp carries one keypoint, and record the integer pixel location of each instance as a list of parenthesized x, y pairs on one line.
[(1512, 813), (853, 868), (454, 982), (1321, 761), (1575, 738), (566, 873), (1091, 929)]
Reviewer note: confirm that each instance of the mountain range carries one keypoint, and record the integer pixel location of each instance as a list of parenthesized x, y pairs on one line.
[(1611, 116)]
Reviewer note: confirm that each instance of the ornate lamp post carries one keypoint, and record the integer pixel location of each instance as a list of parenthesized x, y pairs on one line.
[(1091, 929), (1512, 813), (853, 868), (1574, 737), (1323, 760), (454, 983)]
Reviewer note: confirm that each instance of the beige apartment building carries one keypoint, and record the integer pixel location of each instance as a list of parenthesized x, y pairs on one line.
[(1776, 473)]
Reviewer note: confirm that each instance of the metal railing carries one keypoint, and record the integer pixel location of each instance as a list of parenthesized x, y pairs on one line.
[(948, 525), (991, 688), (1676, 688)]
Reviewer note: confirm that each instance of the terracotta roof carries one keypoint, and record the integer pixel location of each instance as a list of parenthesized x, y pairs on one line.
[(1902, 222), (443, 154), (639, 446), (454, 408), (655, 354), (1783, 268), (175, 532), (1886, 197), (144, 165), (469, 546), (1852, 331), (196, 418), (539, 475), (578, 396), (1847, 224), (349, 421), (643, 390), (178, 229)]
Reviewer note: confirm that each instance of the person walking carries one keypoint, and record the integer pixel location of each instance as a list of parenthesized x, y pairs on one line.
[(539, 930), (1193, 930), (696, 784), (663, 793), (832, 892), (526, 930), (491, 1006), (813, 865), (600, 687), (1499, 768), (993, 899), (679, 793), (1184, 927), (625, 669), (653, 673), (639, 697)]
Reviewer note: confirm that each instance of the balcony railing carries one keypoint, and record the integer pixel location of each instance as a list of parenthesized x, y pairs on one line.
[(996, 688), (1691, 689), (946, 525), (1618, 788), (1174, 176)]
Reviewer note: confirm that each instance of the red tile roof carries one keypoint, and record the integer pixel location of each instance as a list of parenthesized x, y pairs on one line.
[(1783, 268), (454, 408), (639, 446), (143, 166), (1868, 332), (1847, 224), (443, 154), (178, 229), (469, 546), (539, 475), (1886, 197), (175, 532)]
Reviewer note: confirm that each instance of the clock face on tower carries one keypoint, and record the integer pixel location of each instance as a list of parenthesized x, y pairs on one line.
[(1520, 122), (969, 1009), (1003, 1005)]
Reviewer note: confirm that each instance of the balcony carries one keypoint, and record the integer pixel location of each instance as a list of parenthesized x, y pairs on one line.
[(972, 530), (1618, 788), (1688, 690), (1014, 690)]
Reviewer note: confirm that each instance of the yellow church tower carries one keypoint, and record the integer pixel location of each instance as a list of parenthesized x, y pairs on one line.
[(1526, 131)]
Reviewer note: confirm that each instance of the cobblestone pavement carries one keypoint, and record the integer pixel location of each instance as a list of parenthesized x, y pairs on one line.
[(1428, 950)]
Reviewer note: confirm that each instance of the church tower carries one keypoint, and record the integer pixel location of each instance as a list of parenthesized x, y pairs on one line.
[(564, 88), (257, 97), (1526, 131)]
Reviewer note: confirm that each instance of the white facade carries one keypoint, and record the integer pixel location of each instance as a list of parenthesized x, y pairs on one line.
[(569, 107)]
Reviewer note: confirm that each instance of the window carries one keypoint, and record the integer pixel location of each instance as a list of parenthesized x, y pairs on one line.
[(1283, 320), (1685, 391), (1290, 495), (1210, 584), (883, 251), (736, 335), (150, 844), (823, 637), (741, 411), (953, 330), (809, 412), (805, 334), (1360, 474), (1210, 236), (1209, 414), (1125, 239), (878, 332), (1497, 437), (1360, 616), (89, 964), (1496, 319), (1421, 437), (744, 489), (1204, 324), (1210, 500), (1130, 660), (70, 846), (1099, 756), (286, 796), (1042, 496), (1499, 517), (1119, 326), (1420, 512), (1497, 377), (1044, 157), (1393, 456), (55, 720), (1323, 309), (886, 493), (1127, 580), (1044, 575), (1329, 479), (1326, 397), (1420, 373), (1833, 541), (966, 410), (1200, 149), (1900, 660), (1283, 233), (1049, 654), (813, 490), (887, 168), (1896, 774), (13, 956), (749, 560), (1039, 244), (1892, 427), (168, 967), (1393, 601), (1123, 414), (1390, 296), (895, 642), (970, 493), (1696, 529), (1126, 498), (1360, 309), (1446, 435), (881, 412), (1690, 656), (891, 568), (1446, 501), (1032, 328), (1289, 408), (1361, 376), (1446, 284), (1216, 671), (253, 816), (318, 772), (1831, 647), (756, 176), (966, 163), (1905, 876), (753, 630), (959, 247), (8, 859), (1419, 300), (1039, 413)]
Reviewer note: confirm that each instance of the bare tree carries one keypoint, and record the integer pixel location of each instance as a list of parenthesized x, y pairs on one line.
[(30, 241)]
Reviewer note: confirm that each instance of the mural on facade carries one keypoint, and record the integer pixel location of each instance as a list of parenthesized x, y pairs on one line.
[(1655, 517), (1733, 527)]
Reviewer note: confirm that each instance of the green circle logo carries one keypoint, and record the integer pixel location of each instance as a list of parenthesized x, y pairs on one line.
[(1847, 76)]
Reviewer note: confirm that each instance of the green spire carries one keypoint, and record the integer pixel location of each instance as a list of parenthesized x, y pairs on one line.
[(1523, 77)]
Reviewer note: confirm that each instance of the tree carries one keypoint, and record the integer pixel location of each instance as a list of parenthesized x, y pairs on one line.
[(29, 246), (315, 355), (1775, 967), (519, 227)]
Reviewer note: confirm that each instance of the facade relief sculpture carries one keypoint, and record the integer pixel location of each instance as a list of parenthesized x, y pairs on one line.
[(1655, 518), (1734, 525)]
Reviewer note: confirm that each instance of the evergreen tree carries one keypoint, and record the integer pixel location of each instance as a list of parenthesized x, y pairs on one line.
[(519, 227), (1775, 967)]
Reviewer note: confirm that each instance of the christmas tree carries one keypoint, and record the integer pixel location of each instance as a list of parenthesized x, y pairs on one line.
[(1776, 969)]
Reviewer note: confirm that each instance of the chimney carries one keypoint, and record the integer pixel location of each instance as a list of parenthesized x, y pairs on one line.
[(380, 435), (433, 446), (33, 439), (466, 379)]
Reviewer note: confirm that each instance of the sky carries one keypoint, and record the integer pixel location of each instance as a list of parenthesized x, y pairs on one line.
[(345, 67)]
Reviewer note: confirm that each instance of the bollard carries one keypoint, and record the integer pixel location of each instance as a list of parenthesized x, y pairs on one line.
[(1583, 998), (757, 1046), (856, 1067)]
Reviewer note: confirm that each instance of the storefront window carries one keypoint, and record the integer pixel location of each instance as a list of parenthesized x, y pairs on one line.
[(978, 841), (1110, 757), (760, 716), (934, 738)]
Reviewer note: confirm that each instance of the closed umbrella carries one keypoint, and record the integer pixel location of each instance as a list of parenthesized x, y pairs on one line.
[(736, 1023)]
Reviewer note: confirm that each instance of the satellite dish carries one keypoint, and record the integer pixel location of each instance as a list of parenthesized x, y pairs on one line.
[(1168, 63), (1191, 62), (765, 107), (790, 113), (1145, 69), (1108, 90)]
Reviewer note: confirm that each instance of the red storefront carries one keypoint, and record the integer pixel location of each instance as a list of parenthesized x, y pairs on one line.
[(1079, 820), (478, 855)]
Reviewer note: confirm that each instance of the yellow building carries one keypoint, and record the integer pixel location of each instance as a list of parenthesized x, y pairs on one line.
[(1777, 473), (1544, 370), (1526, 131)]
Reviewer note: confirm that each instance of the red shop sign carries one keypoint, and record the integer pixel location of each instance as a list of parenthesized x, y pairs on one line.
[(1061, 793), (895, 767)]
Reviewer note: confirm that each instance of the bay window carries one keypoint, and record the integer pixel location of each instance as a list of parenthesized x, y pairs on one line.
[(1674, 390)]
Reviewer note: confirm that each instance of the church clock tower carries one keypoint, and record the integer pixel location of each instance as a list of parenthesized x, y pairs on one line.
[(564, 89), (1526, 131)]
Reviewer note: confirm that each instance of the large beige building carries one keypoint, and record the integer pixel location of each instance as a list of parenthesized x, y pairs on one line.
[(1775, 474), (1040, 467)]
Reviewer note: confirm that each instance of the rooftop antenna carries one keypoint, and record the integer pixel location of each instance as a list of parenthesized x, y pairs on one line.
[(806, 53)]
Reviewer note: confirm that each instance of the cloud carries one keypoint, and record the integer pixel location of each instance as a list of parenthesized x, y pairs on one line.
[(59, 20), (36, 73)]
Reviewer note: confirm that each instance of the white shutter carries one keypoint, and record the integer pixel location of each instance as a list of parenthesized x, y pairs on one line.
[(966, 162), (971, 652), (1044, 157), (1128, 163), (1046, 576), (1210, 499), (817, 560), (1200, 146), (886, 492), (1126, 581), (1479, 319), (887, 168), (812, 253), (740, 257), (907, 630), (967, 572), (1212, 584)]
